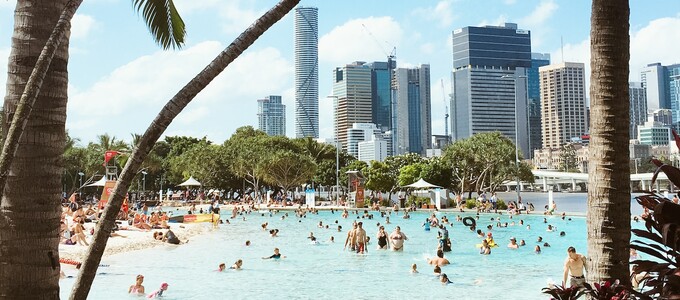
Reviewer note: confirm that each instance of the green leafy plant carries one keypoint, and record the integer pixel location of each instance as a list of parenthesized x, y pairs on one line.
[(470, 203), (500, 204)]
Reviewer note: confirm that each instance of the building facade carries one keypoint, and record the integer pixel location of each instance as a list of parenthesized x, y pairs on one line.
[(306, 72), (638, 107), (381, 94), (534, 100), (563, 103), (653, 80), (360, 132), (374, 149), (271, 115), (352, 93), (490, 82), (413, 110), (654, 134)]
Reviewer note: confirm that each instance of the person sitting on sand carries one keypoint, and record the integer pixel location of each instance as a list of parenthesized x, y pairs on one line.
[(139, 223), (171, 238), (237, 265), (159, 292), (79, 232), (137, 288)]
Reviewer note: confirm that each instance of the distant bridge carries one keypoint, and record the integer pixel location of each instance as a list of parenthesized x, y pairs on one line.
[(552, 178)]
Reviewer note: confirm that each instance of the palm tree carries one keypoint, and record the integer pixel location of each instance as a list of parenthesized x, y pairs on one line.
[(34, 140), (608, 217), (156, 129)]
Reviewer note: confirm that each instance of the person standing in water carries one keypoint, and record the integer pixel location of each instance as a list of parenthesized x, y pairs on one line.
[(574, 266), (383, 241), (137, 288), (361, 239), (351, 238), (397, 237)]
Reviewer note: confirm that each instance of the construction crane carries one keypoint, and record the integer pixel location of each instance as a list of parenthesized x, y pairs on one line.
[(390, 56), (446, 113)]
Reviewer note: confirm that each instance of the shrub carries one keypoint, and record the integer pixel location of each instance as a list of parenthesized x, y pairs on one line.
[(470, 203), (500, 204)]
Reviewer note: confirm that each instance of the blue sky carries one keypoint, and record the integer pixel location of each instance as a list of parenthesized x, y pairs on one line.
[(119, 79)]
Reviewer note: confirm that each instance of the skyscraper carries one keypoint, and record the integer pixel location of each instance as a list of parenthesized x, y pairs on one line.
[(414, 113), (489, 82), (638, 107), (271, 115), (534, 102), (673, 80), (306, 72), (352, 93), (563, 103), (381, 81), (653, 80)]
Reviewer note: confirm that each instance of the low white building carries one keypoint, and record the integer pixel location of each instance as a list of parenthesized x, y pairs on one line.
[(375, 149)]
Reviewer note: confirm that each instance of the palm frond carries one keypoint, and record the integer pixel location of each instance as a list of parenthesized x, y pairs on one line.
[(164, 22)]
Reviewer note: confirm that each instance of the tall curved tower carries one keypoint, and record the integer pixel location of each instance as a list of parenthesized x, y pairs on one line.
[(306, 72)]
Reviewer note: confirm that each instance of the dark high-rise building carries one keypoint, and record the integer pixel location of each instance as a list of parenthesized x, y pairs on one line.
[(489, 82), (534, 100), (381, 81)]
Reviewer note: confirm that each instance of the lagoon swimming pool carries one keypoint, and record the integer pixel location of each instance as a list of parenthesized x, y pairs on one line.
[(325, 271)]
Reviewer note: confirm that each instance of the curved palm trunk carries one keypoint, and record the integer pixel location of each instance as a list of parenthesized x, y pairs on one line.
[(608, 218), (29, 227), (157, 127)]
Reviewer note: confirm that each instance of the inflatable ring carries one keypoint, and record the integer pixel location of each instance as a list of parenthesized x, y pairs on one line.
[(471, 223), (68, 261)]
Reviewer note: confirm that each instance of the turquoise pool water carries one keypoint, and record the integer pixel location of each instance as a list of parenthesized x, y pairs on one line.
[(325, 271)]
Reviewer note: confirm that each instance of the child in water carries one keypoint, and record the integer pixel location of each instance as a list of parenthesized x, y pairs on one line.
[(414, 268), (159, 292)]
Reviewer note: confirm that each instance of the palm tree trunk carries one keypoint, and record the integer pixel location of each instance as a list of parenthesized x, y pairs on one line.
[(608, 217), (157, 127), (29, 213)]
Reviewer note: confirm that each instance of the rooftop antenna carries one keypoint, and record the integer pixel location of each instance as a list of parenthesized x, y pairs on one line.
[(446, 113), (562, 47)]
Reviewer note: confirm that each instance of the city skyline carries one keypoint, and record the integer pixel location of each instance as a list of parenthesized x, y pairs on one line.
[(111, 80)]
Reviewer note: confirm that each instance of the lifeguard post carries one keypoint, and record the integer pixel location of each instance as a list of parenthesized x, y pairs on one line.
[(111, 174), (355, 186)]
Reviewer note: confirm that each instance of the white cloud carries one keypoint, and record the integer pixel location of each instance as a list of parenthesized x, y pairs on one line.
[(351, 41), (502, 19), (658, 41), (536, 21), (4, 55), (81, 25), (441, 13), (127, 99), (539, 15), (235, 15), (8, 4)]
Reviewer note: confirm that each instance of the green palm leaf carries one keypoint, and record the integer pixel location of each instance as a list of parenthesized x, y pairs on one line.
[(164, 22)]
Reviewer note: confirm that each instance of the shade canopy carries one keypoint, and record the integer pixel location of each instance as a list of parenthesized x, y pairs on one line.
[(100, 182), (190, 182), (422, 184)]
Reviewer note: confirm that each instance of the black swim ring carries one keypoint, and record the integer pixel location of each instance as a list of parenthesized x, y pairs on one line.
[(471, 223)]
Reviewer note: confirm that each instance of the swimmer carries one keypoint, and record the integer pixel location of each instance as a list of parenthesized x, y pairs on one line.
[(437, 271), (426, 224), (361, 239), (537, 249), (276, 255), (397, 237), (314, 241), (332, 240), (439, 260), (540, 239), (137, 288), (444, 279), (387, 220), (480, 234), (528, 227), (247, 243), (550, 228), (562, 233), (273, 232), (351, 238), (159, 292), (522, 243), (237, 265), (513, 243), (311, 235), (383, 241), (414, 268), (485, 249), (221, 267)]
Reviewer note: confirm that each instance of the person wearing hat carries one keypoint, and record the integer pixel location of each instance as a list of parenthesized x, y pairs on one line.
[(513, 243), (159, 292)]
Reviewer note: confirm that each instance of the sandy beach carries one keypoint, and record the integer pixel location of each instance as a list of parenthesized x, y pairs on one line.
[(133, 240)]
